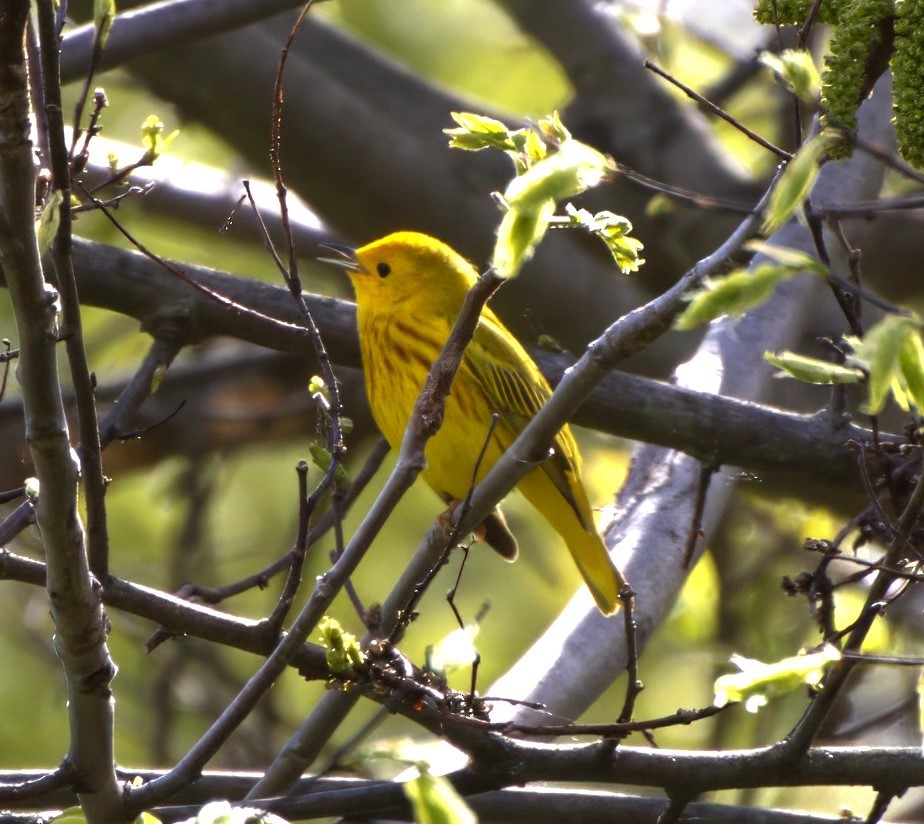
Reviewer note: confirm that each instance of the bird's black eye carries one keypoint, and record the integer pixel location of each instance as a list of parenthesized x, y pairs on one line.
[(383, 269)]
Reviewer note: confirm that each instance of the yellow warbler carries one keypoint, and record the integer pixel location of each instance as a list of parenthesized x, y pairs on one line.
[(409, 290)]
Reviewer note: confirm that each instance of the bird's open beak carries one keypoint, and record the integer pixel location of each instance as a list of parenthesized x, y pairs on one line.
[(345, 257)]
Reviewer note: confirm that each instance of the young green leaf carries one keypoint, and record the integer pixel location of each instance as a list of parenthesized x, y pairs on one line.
[(519, 232), (532, 149), (795, 259), (322, 459), (797, 70), (153, 140), (758, 682), (104, 12), (880, 353), (911, 363), (476, 132), (812, 370), (574, 168), (47, 225), (794, 183), (612, 229), (733, 294), (435, 801), (552, 127), (343, 652)]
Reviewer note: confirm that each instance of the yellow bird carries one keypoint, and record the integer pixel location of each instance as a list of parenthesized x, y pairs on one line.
[(409, 290)]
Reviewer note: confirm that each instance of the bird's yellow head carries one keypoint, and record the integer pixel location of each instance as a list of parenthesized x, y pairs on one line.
[(412, 269)]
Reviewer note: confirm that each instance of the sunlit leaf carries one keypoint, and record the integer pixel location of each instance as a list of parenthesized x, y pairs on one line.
[(794, 183), (911, 363), (104, 12), (532, 150), (795, 259), (733, 294), (880, 353), (153, 139), (31, 487), (613, 230), (758, 682), (435, 801), (454, 651), (797, 69), (343, 652), (476, 132), (47, 225), (552, 127), (813, 370), (574, 168), (519, 232)]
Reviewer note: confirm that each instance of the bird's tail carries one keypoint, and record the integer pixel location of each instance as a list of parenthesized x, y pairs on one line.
[(599, 572)]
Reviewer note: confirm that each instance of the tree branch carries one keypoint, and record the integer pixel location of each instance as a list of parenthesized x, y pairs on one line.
[(796, 453), (80, 622), (179, 617)]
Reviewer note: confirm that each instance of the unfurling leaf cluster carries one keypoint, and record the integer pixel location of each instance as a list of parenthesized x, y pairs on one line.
[(796, 69), (550, 166), (892, 355), (612, 229), (344, 655), (153, 139)]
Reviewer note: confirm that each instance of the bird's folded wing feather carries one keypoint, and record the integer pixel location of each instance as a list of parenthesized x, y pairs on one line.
[(516, 390)]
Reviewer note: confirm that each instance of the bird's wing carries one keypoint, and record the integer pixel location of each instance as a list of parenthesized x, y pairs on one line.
[(516, 390)]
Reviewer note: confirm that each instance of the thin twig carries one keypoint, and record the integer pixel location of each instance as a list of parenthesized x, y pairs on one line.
[(801, 736), (706, 472), (177, 272), (879, 807), (634, 685), (694, 199), (64, 776), (89, 450), (719, 112), (142, 384), (293, 579)]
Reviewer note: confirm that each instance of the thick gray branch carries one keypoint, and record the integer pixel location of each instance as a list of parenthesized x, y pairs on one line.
[(784, 450), (651, 529)]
